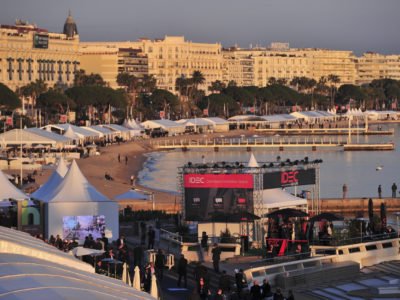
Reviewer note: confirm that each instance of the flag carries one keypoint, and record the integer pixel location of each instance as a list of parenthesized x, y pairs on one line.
[(252, 109), (205, 111), (162, 114), (394, 104)]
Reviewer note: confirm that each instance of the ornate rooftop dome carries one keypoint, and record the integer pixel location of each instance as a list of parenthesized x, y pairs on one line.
[(70, 28)]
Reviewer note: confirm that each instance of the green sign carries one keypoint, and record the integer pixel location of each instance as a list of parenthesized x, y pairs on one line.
[(40, 41)]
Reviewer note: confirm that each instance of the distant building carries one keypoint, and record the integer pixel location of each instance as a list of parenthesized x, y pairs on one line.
[(29, 53), (167, 59)]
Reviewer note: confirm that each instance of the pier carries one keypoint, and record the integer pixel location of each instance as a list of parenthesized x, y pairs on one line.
[(324, 131), (273, 143)]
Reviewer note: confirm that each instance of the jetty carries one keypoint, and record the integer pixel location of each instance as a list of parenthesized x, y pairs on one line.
[(324, 131), (272, 143)]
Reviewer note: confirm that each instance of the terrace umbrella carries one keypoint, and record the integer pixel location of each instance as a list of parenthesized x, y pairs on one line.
[(325, 216), (125, 275), (154, 288), (287, 212), (383, 215), (136, 279)]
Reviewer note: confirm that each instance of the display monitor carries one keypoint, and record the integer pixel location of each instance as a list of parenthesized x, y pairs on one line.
[(78, 227)]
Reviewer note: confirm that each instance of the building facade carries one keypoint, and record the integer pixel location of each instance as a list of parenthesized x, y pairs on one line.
[(371, 66), (29, 53), (167, 59)]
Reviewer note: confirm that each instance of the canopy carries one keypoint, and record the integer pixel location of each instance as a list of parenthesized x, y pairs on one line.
[(278, 198), (8, 190), (132, 194), (33, 269), (53, 182), (81, 251), (74, 187), (69, 133), (287, 212)]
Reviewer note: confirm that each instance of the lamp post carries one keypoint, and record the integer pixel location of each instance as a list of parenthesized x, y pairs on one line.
[(361, 226)]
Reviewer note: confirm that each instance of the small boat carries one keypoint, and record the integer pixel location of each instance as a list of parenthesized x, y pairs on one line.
[(378, 168)]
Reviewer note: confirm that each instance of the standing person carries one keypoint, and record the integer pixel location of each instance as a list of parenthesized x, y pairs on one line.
[(278, 295), (255, 291), (159, 264), (216, 257), (142, 233), (119, 157), (394, 190), (182, 270), (290, 295), (266, 288), (132, 180), (225, 283), (204, 240), (240, 281), (203, 289), (126, 159), (380, 191), (151, 235), (344, 191)]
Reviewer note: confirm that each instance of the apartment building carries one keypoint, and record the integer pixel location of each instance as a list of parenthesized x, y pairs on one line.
[(371, 66), (167, 59)]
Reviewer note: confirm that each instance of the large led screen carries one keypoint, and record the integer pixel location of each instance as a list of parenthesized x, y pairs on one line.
[(209, 194), (78, 227), (289, 178)]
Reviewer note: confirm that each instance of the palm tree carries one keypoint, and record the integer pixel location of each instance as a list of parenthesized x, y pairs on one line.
[(334, 81), (216, 86), (32, 91), (148, 84), (197, 79), (131, 84), (272, 81)]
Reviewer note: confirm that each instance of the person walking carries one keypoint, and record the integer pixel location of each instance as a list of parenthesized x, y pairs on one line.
[(225, 283), (255, 291), (240, 282), (380, 192), (394, 190), (216, 257), (126, 159), (119, 157), (344, 188), (182, 270), (159, 264), (151, 235)]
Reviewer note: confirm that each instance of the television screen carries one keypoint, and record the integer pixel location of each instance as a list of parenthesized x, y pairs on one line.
[(78, 227)]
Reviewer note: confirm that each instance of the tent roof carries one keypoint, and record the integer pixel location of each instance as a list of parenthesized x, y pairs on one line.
[(52, 183), (74, 187), (70, 133), (194, 122), (279, 118), (161, 123), (80, 131), (35, 270), (115, 127), (25, 136), (252, 162), (8, 190), (278, 198), (103, 130), (132, 194), (48, 134)]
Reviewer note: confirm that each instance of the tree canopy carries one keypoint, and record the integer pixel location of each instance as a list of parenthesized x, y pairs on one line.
[(8, 99)]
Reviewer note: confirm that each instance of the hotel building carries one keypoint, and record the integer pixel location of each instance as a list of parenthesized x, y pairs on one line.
[(29, 53)]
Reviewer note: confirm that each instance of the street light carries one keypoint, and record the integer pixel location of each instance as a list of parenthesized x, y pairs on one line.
[(361, 226)]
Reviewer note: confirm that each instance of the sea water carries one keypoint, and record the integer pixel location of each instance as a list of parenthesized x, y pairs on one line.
[(356, 169)]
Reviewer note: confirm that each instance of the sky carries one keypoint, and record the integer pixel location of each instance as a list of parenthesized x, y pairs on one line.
[(356, 25)]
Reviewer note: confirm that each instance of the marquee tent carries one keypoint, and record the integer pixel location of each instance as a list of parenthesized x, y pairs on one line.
[(75, 197), (8, 190), (253, 162), (35, 270), (55, 179), (278, 199)]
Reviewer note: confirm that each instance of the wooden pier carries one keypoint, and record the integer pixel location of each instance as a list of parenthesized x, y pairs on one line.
[(273, 143), (324, 131)]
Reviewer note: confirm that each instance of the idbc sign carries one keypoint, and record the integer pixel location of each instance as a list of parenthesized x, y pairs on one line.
[(275, 180)]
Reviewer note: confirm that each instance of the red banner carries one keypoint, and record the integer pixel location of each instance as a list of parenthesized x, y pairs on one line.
[(238, 181), (205, 112), (162, 114)]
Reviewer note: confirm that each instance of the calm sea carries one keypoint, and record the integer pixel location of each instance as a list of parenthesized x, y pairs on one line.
[(356, 169)]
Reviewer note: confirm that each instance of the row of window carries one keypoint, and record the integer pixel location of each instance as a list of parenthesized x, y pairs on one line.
[(46, 69)]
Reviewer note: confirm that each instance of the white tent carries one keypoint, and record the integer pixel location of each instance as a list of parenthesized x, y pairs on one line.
[(32, 269), (69, 133), (278, 199), (252, 162), (75, 197), (44, 192), (8, 190)]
